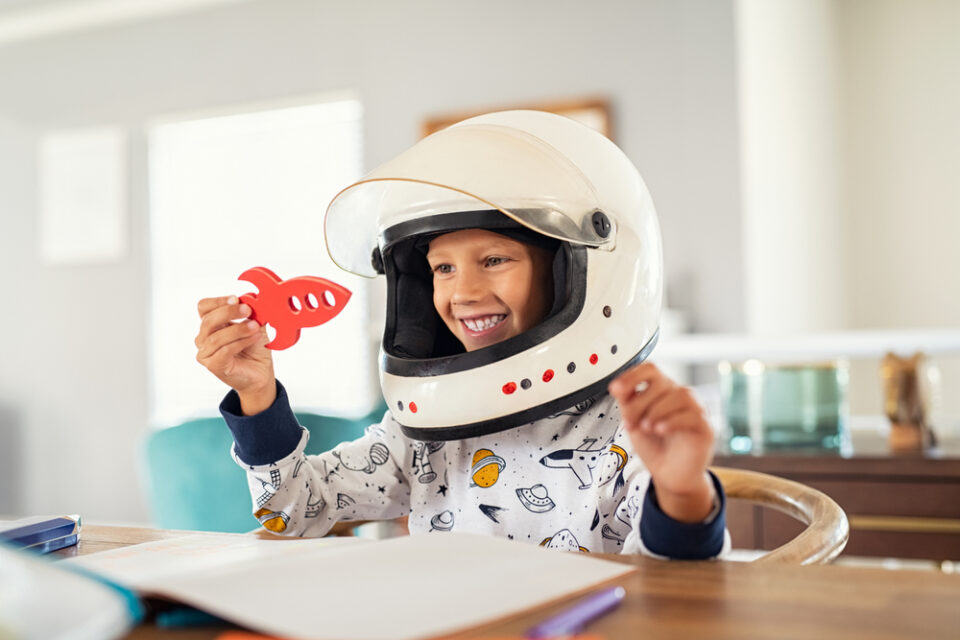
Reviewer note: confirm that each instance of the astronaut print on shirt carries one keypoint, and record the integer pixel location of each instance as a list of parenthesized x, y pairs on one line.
[(569, 481)]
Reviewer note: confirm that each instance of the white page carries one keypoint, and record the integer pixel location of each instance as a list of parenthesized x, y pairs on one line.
[(408, 587), (145, 565)]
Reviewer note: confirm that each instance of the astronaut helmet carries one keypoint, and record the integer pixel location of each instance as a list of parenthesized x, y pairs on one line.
[(539, 177)]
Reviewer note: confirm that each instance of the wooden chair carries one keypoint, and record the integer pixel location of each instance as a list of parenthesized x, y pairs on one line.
[(827, 527)]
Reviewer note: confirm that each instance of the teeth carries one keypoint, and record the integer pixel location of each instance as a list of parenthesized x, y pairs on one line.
[(482, 324)]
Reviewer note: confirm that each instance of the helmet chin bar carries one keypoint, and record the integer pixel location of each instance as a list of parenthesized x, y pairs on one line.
[(533, 414)]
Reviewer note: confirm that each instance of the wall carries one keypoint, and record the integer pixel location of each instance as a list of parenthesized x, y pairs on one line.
[(902, 100), (16, 204), (73, 379), (666, 66), (850, 159), (901, 97)]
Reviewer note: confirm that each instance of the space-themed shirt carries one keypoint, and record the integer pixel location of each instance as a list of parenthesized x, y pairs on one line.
[(569, 481)]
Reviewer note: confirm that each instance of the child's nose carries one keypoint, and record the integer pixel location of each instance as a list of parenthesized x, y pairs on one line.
[(467, 288)]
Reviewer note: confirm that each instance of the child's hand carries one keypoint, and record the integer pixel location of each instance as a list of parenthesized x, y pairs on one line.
[(669, 431), (235, 352)]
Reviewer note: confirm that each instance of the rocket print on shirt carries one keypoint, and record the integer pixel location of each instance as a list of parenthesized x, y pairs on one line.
[(581, 461), (268, 491), (269, 488), (275, 521)]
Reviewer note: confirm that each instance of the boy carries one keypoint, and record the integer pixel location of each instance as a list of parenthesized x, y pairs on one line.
[(523, 267)]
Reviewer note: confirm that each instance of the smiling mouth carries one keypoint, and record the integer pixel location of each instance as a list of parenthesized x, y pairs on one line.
[(483, 323)]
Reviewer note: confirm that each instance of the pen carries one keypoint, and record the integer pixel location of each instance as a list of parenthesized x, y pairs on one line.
[(579, 615)]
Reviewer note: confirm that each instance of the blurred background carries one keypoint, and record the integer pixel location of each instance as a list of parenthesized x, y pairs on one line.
[(803, 156)]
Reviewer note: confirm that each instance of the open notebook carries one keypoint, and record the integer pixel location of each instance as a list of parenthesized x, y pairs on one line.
[(353, 588)]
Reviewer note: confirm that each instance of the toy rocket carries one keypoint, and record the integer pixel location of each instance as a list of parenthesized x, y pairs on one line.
[(291, 305)]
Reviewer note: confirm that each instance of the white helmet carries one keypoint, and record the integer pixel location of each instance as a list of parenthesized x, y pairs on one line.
[(526, 170)]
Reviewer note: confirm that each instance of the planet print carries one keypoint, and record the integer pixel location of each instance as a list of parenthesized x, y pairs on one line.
[(379, 454), (486, 468), (564, 540)]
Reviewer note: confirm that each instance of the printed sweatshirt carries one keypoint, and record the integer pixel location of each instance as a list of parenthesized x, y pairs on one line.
[(569, 481)]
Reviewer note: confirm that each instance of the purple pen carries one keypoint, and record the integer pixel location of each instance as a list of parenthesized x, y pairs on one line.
[(574, 619)]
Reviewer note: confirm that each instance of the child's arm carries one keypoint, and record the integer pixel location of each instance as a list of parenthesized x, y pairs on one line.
[(670, 433), (299, 495), (235, 352)]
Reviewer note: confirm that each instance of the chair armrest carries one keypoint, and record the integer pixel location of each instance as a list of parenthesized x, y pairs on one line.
[(827, 526)]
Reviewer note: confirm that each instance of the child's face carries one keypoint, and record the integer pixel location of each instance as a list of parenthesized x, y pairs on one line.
[(488, 287)]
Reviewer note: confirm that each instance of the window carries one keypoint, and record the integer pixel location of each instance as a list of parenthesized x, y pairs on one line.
[(249, 189)]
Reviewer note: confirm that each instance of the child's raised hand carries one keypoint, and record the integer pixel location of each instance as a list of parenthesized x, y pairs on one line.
[(235, 352), (670, 432)]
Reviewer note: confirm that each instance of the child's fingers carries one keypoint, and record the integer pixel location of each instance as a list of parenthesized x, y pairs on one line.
[(688, 419), (215, 341), (677, 399), (225, 358), (633, 409), (207, 305), (220, 317), (625, 385)]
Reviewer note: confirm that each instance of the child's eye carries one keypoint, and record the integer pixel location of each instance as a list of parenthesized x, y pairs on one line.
[(493, 261), (443, 268)]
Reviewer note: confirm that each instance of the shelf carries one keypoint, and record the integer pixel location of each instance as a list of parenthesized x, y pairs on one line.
[(812, 347)]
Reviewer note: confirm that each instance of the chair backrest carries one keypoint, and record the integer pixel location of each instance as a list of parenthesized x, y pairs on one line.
[(827, 527), (191, 481)]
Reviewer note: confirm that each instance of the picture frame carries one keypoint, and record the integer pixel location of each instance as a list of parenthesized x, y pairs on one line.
[(593, 112)]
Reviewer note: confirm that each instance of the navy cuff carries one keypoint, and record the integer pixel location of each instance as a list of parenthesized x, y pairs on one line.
[(665, 536), (266, 437)]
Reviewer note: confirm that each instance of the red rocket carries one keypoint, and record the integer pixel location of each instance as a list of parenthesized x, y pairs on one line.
[(291, 305)]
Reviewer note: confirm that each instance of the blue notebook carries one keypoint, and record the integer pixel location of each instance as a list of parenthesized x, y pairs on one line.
[(42, 534)]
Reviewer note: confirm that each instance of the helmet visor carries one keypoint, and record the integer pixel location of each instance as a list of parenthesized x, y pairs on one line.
[(463, 168)]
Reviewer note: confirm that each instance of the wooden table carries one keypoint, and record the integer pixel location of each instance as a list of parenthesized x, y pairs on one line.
[(707, 600)]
